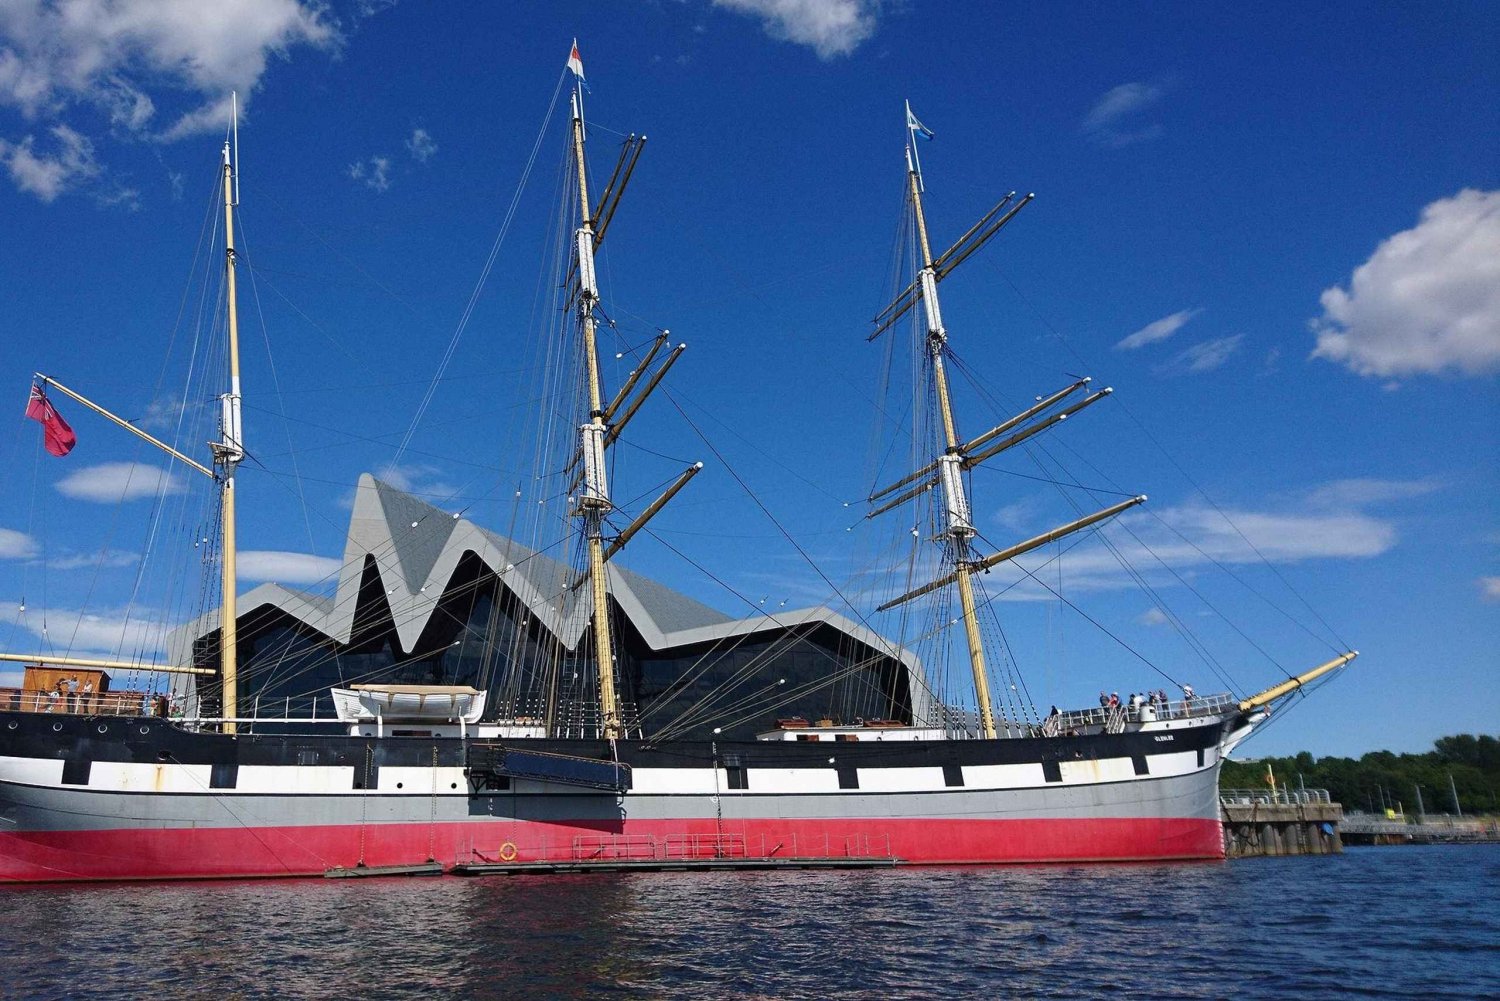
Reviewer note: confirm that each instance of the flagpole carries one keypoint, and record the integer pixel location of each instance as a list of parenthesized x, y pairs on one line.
[(47, 380), (914, 159), (575, 64)]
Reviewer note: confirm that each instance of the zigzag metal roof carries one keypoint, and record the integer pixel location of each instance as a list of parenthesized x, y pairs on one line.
[(416, 548)]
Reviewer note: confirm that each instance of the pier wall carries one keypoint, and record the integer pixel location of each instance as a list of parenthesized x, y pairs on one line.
[(1300, 822)]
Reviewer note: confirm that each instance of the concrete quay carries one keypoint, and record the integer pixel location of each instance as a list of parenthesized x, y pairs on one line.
[(1279, 822)]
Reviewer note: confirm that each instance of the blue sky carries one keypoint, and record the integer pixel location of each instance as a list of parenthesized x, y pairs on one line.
[(1275, 231)]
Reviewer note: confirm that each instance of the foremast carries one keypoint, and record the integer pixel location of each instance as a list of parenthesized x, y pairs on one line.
[(946, 472), (958, 529)]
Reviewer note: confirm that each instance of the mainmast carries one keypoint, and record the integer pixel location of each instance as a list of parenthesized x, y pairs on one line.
[(593, 498), (228, 453), (606, 419)]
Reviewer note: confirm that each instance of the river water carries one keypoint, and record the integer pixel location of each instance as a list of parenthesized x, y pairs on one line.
[(1398, 922)]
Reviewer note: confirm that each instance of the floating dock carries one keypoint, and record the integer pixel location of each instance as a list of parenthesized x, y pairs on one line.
[(670, 865), (369, 871)]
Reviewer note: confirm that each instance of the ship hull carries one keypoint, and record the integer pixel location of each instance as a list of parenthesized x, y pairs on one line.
[(146, 800)]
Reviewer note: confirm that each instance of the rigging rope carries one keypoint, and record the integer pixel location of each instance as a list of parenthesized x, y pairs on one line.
[(484, 274)]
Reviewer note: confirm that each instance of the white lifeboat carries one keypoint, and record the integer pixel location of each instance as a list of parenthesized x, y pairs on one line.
[(399, 703)]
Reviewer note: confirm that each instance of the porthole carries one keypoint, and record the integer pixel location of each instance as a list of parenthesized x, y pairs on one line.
[(145, 729), (400, 785), (12, 725), (452, 785), (57, 726), (103, 728)]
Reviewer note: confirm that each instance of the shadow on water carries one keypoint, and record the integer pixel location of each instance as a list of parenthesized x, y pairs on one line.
[(1377, 923)]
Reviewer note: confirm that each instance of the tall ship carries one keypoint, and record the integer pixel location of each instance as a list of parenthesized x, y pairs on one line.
[(464, 702)]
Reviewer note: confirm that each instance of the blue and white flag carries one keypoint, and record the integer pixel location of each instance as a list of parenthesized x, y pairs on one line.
[(916, 127)]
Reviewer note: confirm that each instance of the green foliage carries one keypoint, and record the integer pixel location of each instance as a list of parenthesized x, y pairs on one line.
[(1382, 777)]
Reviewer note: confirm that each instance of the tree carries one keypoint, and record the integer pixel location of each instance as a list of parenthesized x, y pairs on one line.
[(1472, 761)]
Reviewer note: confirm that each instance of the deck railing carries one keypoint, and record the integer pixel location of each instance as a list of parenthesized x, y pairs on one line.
[(1113, 719), (1279, 796), (76, 704)]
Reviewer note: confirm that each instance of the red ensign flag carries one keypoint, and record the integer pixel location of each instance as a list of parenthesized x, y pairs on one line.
[(57, 436)]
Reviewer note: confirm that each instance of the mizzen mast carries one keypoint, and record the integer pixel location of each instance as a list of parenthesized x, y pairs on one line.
[(228, 452)]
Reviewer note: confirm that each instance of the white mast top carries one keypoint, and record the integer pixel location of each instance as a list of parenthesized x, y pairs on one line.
[(913, 129), (575, 63), (234, 128)]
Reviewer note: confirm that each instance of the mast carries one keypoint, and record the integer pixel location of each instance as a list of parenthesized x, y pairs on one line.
[(960, 529), (228, 452), (593, 498)]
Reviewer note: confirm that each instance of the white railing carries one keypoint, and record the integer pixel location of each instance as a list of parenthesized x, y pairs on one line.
[(1279, 796), (1113, 719)]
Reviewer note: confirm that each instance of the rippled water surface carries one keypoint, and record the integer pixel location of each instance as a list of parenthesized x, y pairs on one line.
[(1403, 922)]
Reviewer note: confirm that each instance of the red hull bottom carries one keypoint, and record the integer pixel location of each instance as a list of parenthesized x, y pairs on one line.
[(226, 853)]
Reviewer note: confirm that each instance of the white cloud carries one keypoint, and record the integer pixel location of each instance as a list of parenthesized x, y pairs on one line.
[(1489, 588), (1019, 515), (113, 482), (20, 546), (1362, 492), (119, 62), (162, 414), (49, 173), (414, 478), (417, 479), (1157, 330), (16, 545), (1428, 299), (114, 633), (1115, 119), (1282, 537), (115, 194), (1153, 616), (81, 561), (421, 146), (104, 52), (1190, 537), (285, 568), (1204, 357), (374, 172), (830, 27)]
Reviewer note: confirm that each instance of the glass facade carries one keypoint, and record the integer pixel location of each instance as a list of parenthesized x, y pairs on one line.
[(481, 635)]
